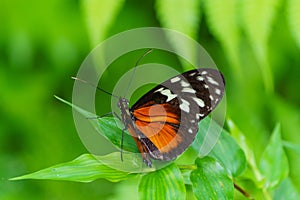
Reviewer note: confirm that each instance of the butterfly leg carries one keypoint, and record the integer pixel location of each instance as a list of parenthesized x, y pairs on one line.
[(121, 145), (146, 158), (144, 152), (141, 148)]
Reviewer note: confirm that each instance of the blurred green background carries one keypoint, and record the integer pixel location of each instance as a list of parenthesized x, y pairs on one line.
[(256, 44)]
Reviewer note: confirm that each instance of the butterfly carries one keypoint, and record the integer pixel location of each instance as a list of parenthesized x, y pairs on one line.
[(164, 121)]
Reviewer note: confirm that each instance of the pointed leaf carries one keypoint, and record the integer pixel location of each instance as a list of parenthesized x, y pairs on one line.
[(226, 150), (258, 18), (166, 183), (99, 16), (108, 128), (246, 147), (222, 18), (292, 146), (293, 13), (274, 163), (85, 168), (286, 191), (210, 180), (183, 16)]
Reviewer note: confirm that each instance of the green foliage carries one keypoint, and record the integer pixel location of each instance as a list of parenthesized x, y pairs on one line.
[(85, 168), (99, 16), (274, 164), (258, 18), (226, 150), (293, 17), (182, 16), (210, 180), (166, 183), (214, 174), (286, 191), (179, 15), (223, 20), (254, 43)]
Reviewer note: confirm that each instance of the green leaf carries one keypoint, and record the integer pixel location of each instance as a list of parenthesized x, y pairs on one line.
[(292, 146), (85, 168), (246, 147), (132, 162), (186, 174), (222, 18), (293, 15), (166, 183), (258, 18), (99, 16), (210, 180), (286, 191), (78, 109), (183, 16), (108, 128), (226, 150), (274, 163)]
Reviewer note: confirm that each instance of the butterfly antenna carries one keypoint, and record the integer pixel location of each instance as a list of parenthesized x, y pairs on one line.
[(83, 81), (135, 66)]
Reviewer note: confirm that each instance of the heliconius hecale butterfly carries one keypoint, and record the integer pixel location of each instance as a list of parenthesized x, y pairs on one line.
[(164, 122)]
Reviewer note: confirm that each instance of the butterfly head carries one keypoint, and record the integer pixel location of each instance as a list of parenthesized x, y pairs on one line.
[(123, 103)]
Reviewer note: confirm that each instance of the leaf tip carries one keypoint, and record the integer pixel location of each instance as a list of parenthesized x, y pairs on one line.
[(16, 178)]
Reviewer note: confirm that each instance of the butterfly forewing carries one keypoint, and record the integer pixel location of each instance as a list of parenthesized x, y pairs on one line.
[(167, 117)]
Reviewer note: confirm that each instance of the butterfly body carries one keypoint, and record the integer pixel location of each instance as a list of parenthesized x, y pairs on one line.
[(164, 122), (128, 121)]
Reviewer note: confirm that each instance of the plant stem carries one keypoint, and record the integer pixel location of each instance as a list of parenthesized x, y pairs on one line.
[(242, 191), (266, 194)]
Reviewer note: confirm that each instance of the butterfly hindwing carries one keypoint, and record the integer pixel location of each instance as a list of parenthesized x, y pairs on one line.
[(167, 116)]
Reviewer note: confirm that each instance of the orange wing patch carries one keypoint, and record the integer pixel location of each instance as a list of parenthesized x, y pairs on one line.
[(163, 136), (155, 123), (156, 113)]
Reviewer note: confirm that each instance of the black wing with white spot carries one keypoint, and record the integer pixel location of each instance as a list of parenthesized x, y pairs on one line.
[(185, 99)]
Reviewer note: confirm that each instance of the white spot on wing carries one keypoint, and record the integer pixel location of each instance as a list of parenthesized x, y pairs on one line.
[(218, 91), (200, 78), (190, 130), (175, 79), (204, 72), (168, 93), (189, 90), (200, 102), (206, 86), (192, 74), (185, 106), (211, 97), (184, 84), (160, 89), (212, 81), (198, 115)]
